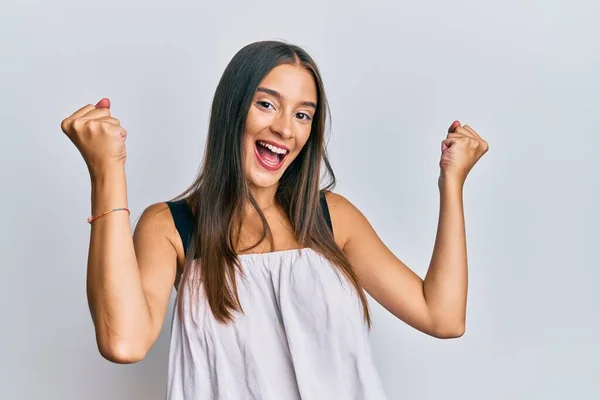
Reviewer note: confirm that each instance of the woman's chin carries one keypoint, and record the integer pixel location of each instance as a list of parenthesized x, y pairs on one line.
[(263, 180)]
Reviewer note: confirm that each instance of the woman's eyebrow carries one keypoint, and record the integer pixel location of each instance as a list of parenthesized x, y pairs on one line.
[(279, 96)]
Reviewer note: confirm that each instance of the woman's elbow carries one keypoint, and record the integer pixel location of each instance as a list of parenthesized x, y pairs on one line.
[(448, 331), (454, 334), (121, 352)]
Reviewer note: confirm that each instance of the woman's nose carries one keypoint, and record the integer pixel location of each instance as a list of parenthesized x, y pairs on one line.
[(282, 125)]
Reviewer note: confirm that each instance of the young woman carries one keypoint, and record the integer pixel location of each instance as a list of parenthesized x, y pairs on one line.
[(270, 268)]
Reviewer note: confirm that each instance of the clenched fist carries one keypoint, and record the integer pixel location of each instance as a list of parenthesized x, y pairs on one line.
[(461, 149), (98, 136)]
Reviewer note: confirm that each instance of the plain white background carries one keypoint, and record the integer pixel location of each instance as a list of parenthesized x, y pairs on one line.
[(524, 74)]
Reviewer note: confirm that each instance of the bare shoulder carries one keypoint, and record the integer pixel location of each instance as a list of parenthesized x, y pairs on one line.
[(156, 216), (156, 226), (345, 217)]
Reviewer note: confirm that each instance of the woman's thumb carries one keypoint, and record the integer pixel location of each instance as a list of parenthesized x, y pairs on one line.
[(104, 103)]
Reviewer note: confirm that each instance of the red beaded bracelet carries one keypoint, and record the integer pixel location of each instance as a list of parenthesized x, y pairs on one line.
[(92, 219)]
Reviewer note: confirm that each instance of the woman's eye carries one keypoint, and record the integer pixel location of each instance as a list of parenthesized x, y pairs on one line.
[(303, 116), (264, 104)]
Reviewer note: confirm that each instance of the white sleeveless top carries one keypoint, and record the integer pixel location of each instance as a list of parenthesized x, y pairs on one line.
[(302, 335)]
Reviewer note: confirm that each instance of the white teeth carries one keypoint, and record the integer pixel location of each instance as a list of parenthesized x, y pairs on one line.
[(274, 149)]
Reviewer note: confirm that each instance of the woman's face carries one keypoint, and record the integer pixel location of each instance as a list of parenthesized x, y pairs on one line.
[(278, 123)]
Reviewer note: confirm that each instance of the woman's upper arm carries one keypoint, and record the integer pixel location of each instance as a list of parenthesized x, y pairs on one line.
[(156, 248), (385, 277)]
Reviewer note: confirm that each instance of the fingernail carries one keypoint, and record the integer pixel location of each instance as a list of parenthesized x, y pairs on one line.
[(454, 125), (105, 100)]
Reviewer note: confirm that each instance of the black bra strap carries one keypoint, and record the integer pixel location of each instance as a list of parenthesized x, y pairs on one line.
[(325, 209), (183, 218)]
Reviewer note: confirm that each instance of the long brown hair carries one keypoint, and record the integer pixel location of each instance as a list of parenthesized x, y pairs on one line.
[(220, 193)]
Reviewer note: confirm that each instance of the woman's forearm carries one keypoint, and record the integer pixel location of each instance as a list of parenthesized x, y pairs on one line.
[(114, 288), (445, 284)]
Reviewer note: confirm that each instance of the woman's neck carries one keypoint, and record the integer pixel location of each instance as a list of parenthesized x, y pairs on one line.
[(264, 197)]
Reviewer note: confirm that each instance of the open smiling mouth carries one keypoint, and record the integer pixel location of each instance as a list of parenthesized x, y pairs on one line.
[(270, 156)]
